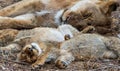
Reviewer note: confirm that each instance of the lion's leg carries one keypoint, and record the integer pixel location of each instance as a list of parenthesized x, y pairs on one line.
[(10, 47), (19, 22), (25, 21), (104, 30), (64, 60), (40, 61), (7, 36), (42, 58), (88, 29), (9, 50), (21, 7), (110, 55)]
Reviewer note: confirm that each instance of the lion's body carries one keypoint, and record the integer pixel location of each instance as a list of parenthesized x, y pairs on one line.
[(48, 34), (87, 46), (25, 6), (24, 37), (91, 45), (81, 47), (78, 13)]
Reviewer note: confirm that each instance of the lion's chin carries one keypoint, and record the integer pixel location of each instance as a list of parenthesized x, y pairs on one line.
[(36, 46)]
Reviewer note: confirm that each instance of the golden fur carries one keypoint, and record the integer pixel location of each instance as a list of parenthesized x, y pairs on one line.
[(31, 55), (81, 47), (46, 38), (7, 36), (24, 37), (90, 12), (78, 13)]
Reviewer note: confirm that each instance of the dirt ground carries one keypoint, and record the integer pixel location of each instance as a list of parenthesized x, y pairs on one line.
[(8, 59)]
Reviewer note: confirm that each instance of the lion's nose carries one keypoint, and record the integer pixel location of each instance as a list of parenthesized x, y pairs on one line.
[(30, 49)]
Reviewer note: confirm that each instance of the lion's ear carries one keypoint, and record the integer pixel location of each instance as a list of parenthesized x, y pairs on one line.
[(108, 6), (113, 7), (67, 37)]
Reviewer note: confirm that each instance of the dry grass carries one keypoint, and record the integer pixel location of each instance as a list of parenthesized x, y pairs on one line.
[(8, 63)]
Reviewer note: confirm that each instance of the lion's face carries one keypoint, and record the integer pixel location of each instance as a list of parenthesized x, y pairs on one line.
[(88, 12), (30, 53)]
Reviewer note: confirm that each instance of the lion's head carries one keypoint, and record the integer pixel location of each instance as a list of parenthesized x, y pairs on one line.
[(87, 12), (30, 53)]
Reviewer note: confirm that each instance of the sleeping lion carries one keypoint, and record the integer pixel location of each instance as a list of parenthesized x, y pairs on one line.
[(81, 47), (52, 13), (20, 38)]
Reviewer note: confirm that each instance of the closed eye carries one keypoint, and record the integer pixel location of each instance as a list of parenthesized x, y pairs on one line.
[(67, 18), (86, 15)]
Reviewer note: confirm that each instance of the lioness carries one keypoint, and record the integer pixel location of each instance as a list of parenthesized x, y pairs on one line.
[(78, 13), (81, 47)]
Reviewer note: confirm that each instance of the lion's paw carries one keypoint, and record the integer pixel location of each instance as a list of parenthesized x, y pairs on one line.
[(35, 65), (61, 64)]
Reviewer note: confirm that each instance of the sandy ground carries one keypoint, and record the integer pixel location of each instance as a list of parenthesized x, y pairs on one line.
[(8, 62)]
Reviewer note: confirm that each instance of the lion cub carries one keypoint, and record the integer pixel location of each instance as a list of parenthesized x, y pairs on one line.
[(19, 39), (23, 37), (38, 53), (81, 47), (84, 13)]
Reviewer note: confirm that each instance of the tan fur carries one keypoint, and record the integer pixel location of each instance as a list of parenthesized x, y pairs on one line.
[(24, 37), (81, 47), (92, 12), (38, 35), (48, 49), (7, 36), (25, 6), (33, 6), (86, 46)]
